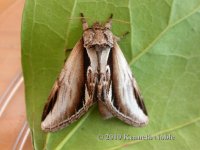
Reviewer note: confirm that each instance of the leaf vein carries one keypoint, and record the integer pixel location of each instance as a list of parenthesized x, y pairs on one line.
[(72, 132), (145, 50), (51, 29), (158, 133), (72, 14)]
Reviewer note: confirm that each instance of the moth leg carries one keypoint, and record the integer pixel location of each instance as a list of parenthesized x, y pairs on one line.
[(118, 38), (109, 22), (106, 93), (84, 22), (104, 85), (91, 81), (108, 76)]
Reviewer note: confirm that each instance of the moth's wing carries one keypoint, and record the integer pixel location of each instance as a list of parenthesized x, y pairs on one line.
[(126, 102), (68, 99)]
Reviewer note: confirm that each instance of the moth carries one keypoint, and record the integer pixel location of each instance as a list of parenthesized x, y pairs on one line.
[(95, 71)]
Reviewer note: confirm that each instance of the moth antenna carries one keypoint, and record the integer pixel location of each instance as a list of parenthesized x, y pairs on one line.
[(84, 22), (109, 22)]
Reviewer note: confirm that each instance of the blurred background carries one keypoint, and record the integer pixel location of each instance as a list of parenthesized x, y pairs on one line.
[(14, 131)]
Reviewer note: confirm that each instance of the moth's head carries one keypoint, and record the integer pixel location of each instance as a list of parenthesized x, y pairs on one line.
[(97, 26), (98, 36)]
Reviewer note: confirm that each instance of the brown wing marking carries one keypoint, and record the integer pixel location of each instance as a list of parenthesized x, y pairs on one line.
[(68, 99), (126, 102)]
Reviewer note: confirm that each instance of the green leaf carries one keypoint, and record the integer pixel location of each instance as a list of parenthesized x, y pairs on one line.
[(163, 50)]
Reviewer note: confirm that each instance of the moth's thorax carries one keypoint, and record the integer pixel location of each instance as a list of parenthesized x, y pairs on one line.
[(97, 36)]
